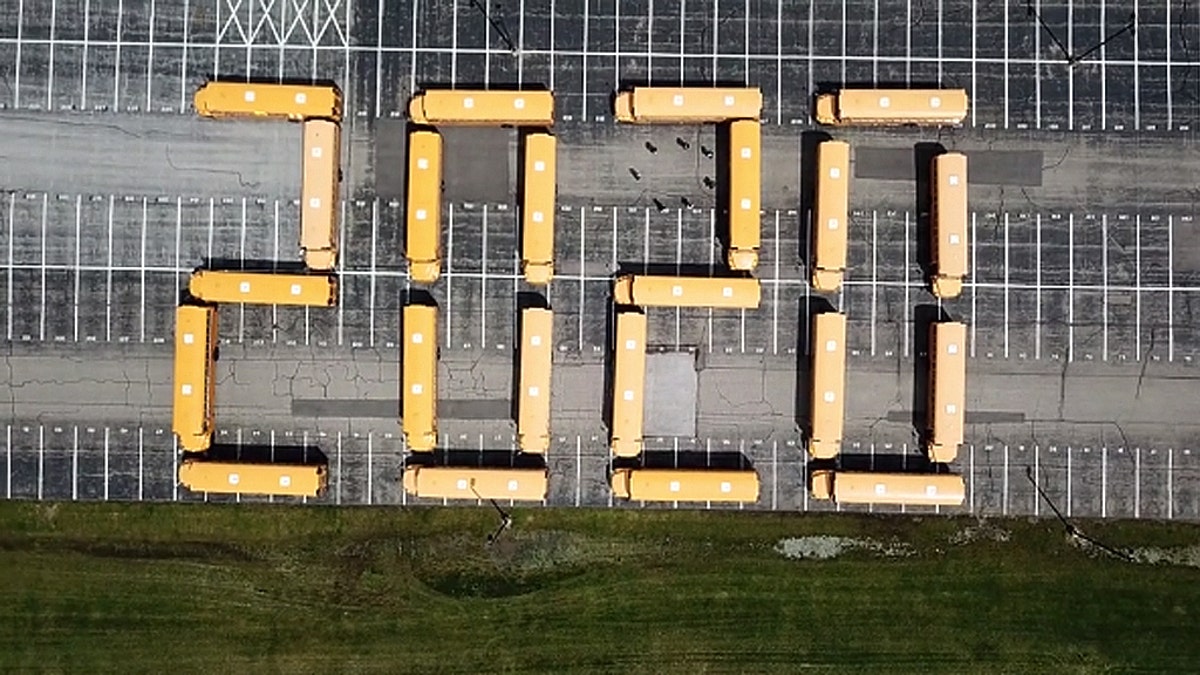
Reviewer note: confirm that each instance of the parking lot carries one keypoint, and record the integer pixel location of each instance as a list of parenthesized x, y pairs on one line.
[(1048, 286)]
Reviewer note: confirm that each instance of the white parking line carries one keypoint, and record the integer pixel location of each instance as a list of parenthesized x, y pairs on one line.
[(1104, 482), (940, 16), (17, 69), (41, 460), (775, 294), (78, 246), (1037, 480), (874, 268), (974, 58), (142, 272), (908, 310), (1068, 481), (582, 267), (42, 316), (449, 269), (412, 76), (1004, 497), (141, 473), (374, 241), (483, 261), (150, 59), (843, 40), (650, 44), (1037, 64), (50, 66), (12, 207), (1104, 267), (117, 59), (1137, 94), (974, 281), (1137, 482), (584, 59), (1170, 288), (1103, 71), (716, 30), (1137, 282), (453, 42), (75, 464), (1170, 483), (183, 63), (907, 47), (778, 59), (1070, 287), (808, 48), (1006, 75), (1007, 269), (1037, 324), (107, 474)]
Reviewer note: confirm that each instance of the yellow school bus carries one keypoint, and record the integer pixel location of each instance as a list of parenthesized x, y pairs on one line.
[(685, 485), (664, 291), (423, 234), (687, 105), (892, 107), (831, 215), (264, 288), (745, 193), (629, 383), (473, 107), (281, 480), (851, 487), (319, 193), (828, 406), (537, 358), (195, 384), (458, 482), (949, 218), (285, 101), (947, 389), (419, 377), (537, 208)]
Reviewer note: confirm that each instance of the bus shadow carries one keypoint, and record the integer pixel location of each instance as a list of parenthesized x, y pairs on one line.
[(923, 155), (924, 316), (719, 271), (654, 459), (888, 463), (809, 140), (266, 454), (482, 459), (257, 266)]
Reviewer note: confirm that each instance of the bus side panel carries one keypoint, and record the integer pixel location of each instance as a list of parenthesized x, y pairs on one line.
[(264, 288), (898, 488), (537, 356), (537, 212), (194, 385), (828, 407), (726, 292), (254, 99), (419, 378), (695, 104), (947, 389), (319, 188), (950, 244), (693, 485), (745, 193), (479, 107), (423, 232), (902, 106), (831, 214), (449, 482), (629, 382), (290, 480)]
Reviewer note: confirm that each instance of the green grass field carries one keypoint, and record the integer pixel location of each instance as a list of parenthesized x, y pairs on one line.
[(164, 588)]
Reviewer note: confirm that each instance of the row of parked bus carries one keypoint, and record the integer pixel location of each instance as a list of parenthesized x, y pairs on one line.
[(319, 110), (193, 418), (831, 212), (531, 110)]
